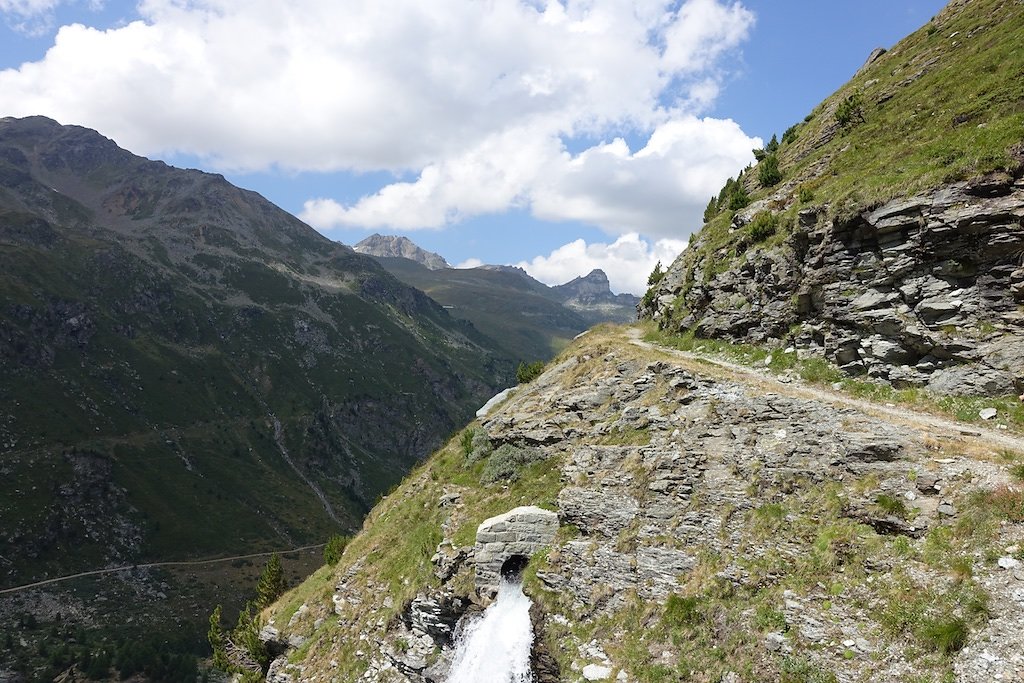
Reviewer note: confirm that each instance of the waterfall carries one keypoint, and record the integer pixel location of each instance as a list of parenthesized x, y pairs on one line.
[(495, 648)]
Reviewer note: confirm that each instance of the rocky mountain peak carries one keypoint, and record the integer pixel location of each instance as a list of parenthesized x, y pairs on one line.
[(594, 283), (398, 246)]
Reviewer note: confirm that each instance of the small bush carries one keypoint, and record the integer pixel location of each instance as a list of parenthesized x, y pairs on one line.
[(789, 135), (819, 370), (656, 275), (1008, 502), (711, 210), (680, 612), (738, 199), (805, 195), (527, 372), (891, 505), (768, 173), (480, 445), (947, 636), (767, 618), (506, 462), (763, 226), (1017, 472), (801, 670), (334, 549), (850, 111)]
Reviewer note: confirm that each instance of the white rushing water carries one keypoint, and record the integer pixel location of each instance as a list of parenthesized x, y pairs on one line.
[(495, 648)]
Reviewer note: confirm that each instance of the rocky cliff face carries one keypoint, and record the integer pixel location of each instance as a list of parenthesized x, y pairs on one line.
[(920, 291), (394, 246), (713, 527), (885, 232)]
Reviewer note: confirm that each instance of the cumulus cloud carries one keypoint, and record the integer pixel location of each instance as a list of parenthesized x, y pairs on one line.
[(470, 263), (627, 261), (476, 100), (659, 190)]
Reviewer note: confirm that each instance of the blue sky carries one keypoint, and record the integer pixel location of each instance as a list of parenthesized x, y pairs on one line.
[(561, 136)]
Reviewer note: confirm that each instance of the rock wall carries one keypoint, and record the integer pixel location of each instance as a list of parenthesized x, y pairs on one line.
[(922, 291), (519, 532)]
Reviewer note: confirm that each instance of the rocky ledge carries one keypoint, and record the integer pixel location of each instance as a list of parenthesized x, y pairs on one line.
[(922, 291)]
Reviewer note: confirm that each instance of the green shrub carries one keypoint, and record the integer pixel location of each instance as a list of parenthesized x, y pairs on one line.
[(527, 372), (271, 584), (767, 618), (768, 173), (480, 445), (733, 196), (334, 548), (805, 195), (656, 275), (738, 198), (801, 670), (790, 134), (850, 111), (1008, 502), (507, 461), (680, 611), (947, 636), (762, 226), (711, 210), (819, 370), (891, 505)]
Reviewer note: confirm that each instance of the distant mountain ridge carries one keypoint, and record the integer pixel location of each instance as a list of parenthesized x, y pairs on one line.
[(395, 246), (468, 291)]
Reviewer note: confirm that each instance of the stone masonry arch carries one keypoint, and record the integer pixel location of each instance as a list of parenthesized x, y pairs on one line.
[(507, 542)]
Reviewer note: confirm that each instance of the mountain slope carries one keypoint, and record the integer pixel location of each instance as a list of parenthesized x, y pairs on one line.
[(528, 319), (186, 369), (712, 528), (885, 231), (512, 308)]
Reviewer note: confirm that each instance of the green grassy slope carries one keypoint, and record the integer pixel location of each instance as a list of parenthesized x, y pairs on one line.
[(188, 371), (944, 104)]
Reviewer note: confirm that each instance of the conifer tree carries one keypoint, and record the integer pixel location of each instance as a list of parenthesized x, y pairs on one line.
[(271, 584), (218, 641)]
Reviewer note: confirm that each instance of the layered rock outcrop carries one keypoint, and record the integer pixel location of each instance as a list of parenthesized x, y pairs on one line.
[(699, 515), (921, 291)]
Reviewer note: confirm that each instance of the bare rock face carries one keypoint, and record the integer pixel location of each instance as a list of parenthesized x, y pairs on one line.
[(393, 246), (922, 291)]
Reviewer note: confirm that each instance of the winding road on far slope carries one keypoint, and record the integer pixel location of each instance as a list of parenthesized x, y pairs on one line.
[(934, 425), (149, 565)]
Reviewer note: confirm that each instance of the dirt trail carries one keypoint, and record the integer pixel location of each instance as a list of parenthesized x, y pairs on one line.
[(148, 565), (935, 426)]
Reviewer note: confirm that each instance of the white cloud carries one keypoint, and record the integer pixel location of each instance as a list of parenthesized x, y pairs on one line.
[(470, 263), (627, 261), (476, 99), (32, 17), (660, 190)]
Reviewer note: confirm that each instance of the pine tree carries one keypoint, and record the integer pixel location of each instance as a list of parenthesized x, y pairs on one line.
[(271, 584), (218, 642)]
